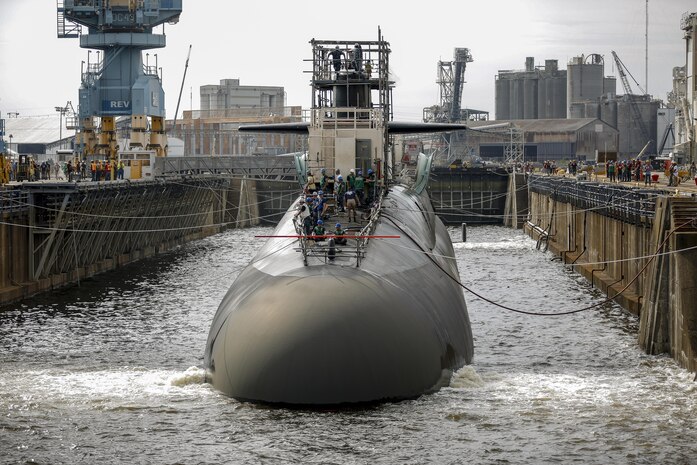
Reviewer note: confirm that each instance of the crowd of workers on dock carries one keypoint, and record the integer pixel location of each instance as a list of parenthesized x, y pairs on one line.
[(330, 194), (72, 170), (635, 170)]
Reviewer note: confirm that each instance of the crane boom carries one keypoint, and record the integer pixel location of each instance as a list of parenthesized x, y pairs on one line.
[(632, 98), (186, 67)]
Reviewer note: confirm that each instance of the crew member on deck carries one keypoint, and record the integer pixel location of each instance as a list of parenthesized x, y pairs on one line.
[(350, 200), (304, 217), (319, 231), (336, 56), (311, 185), (357, 58), (360, 187), (370, 186), (339, 233), (340, 191)]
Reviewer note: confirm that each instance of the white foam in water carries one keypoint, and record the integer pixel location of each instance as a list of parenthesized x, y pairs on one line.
[(192, 375), (466, 377), (502, 245), (98, 386)]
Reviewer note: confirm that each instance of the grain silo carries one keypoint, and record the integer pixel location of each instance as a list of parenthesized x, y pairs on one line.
[(532, 93), (585, 79)]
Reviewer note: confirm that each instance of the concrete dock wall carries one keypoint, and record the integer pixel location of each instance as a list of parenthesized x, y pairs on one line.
[(52, 235), (596, 245), (635, 246)]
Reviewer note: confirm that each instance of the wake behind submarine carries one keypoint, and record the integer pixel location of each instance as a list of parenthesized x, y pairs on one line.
[(371, 312)]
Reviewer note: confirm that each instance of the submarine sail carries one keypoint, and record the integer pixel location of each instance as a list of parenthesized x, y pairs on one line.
[(355, 297)]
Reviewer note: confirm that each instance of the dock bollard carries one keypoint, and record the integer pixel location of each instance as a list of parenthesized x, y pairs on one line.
[(464, 232)]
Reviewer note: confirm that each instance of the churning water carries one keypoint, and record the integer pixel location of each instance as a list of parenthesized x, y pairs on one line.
[(109, 373)]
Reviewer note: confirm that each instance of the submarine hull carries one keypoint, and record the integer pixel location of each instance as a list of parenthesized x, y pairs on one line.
[(393, 328)]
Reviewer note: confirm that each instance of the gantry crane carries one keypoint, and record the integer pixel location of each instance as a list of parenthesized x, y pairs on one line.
[(451, 79), (119, 83), (631, 97)]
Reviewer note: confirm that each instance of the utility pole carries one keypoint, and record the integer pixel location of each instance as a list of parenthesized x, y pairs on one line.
[(646, 86), (62, 111)]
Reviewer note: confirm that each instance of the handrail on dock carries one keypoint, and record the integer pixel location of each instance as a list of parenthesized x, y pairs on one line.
[(632, 204), (543, 235)]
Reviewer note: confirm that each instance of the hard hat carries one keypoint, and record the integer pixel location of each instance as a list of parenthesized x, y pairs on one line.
[(340, 178), (308, 199), (338, 225), (320, 193), (320, 222), (302, 200), (360, 172), (370, 171), (352, 170)]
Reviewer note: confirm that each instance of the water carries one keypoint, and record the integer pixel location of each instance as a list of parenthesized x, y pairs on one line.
[(108, 374)]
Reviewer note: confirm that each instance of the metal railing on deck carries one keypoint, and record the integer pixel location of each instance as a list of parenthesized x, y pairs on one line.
[(347, 118), (261, 167), (631, 204), (322, 251)]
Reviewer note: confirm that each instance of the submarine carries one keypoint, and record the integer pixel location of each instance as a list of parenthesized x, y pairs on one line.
[(380, 316)]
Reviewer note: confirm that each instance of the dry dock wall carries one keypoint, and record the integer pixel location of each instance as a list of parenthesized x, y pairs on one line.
[(55, 234), (633, 244)]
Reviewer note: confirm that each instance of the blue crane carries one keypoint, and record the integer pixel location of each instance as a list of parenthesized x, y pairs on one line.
[(118, 83)]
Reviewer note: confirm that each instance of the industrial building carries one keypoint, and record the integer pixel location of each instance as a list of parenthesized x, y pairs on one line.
[(230, 94), (548, 139), (582, 91), (620, 112), (224, 107), (39, 136)]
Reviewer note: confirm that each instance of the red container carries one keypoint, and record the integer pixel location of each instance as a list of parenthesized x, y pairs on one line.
[(654, 177)]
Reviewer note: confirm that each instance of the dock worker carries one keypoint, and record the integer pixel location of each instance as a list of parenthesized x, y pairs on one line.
[(647, 174), (673, 174)]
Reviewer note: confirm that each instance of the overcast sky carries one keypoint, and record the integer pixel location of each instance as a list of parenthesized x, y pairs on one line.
[(265, 43)]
